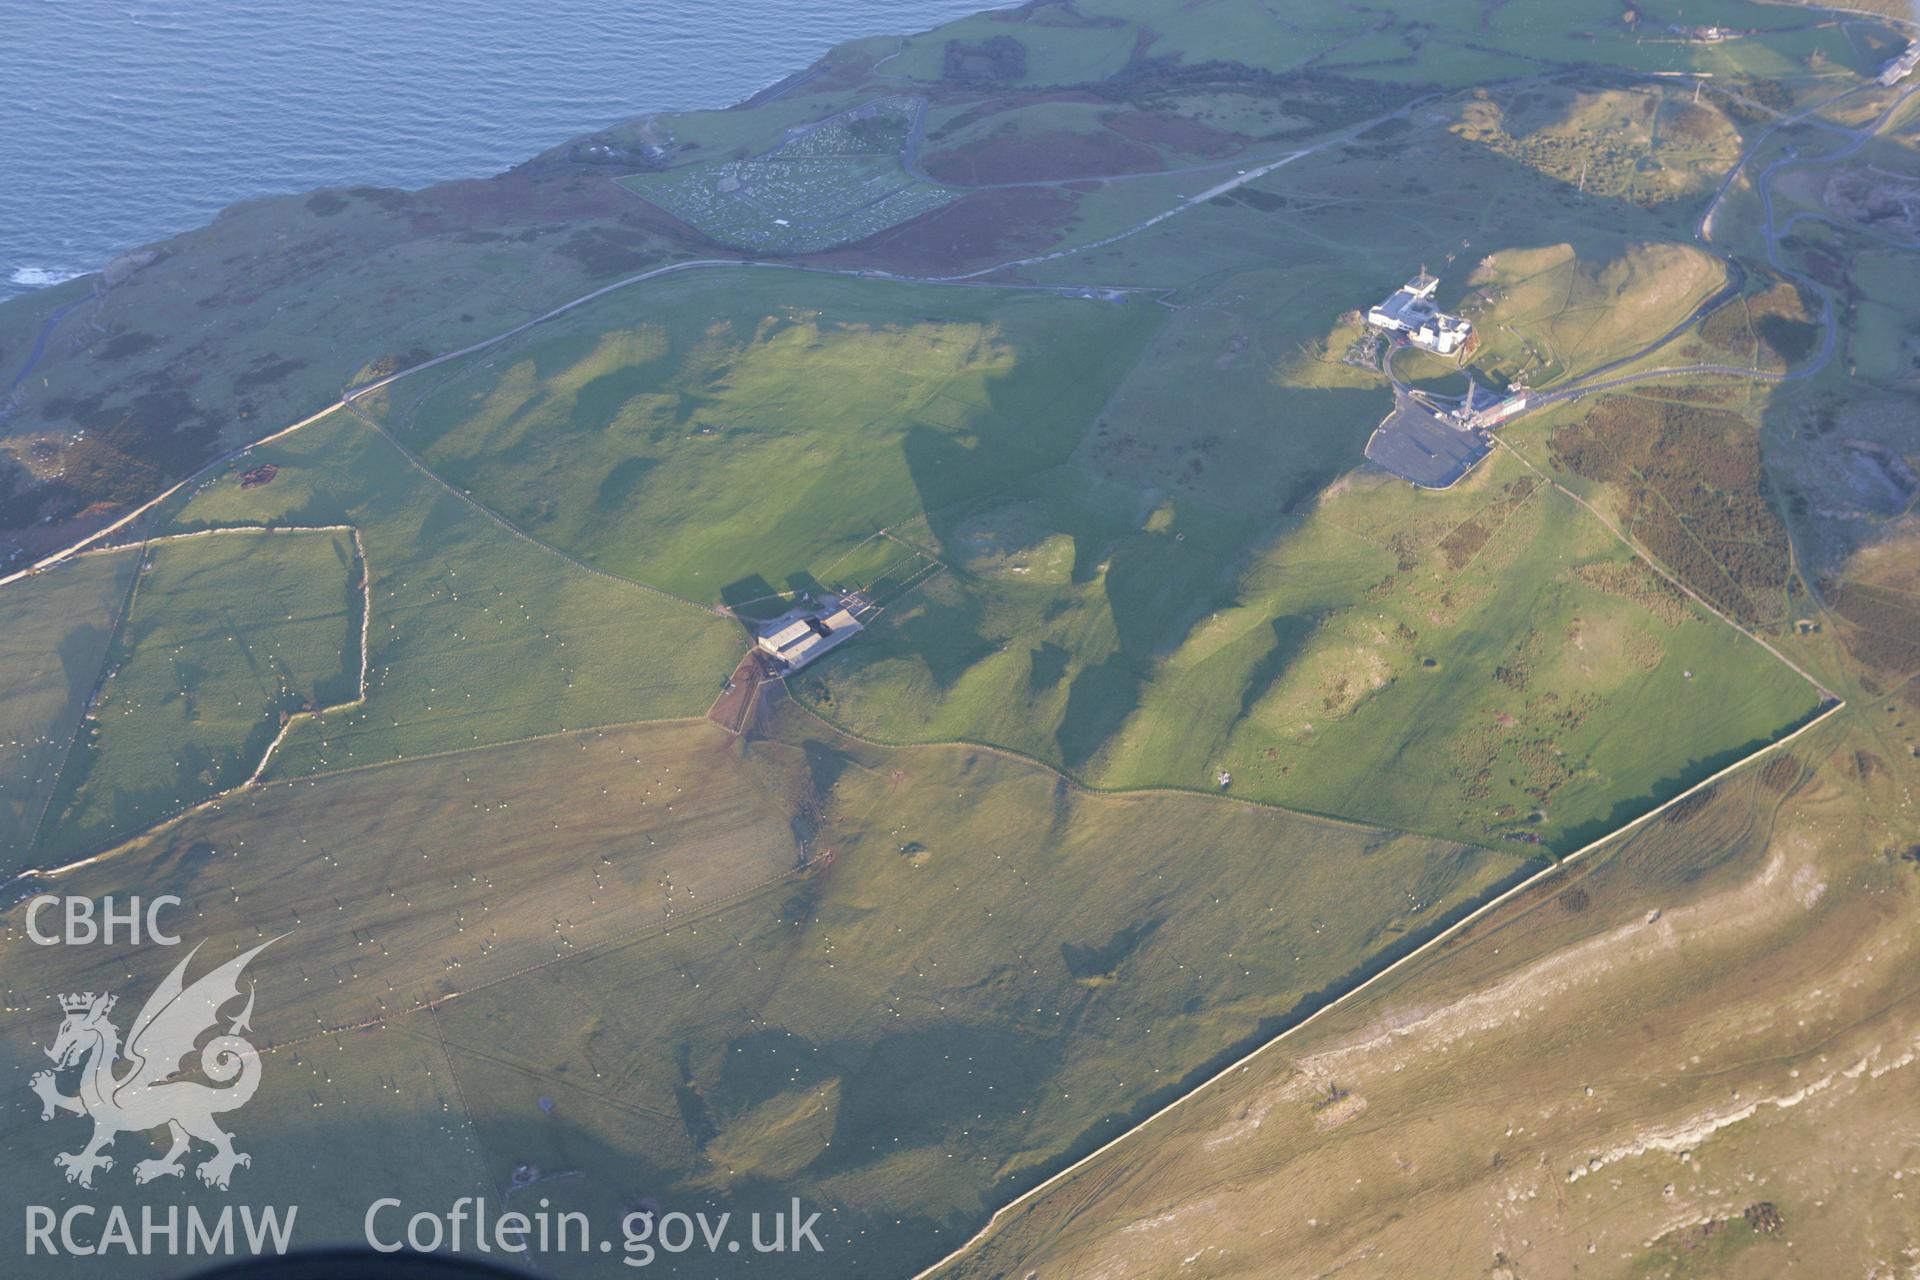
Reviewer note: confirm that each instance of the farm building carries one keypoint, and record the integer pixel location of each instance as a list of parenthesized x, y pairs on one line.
[(1902, 66), (793, 641), (1411, 311), (1705, 35)]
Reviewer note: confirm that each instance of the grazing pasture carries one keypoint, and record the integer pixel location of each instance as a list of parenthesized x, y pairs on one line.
[(55, 629), (227, 636), (1488, 663), (722, 431), (476, 633), (900, 984)]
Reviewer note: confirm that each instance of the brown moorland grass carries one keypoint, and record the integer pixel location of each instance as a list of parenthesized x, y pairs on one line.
[(1601, 1071), (1693, 491)]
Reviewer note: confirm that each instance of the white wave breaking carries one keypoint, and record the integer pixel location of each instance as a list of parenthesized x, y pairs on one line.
[(41, 277)]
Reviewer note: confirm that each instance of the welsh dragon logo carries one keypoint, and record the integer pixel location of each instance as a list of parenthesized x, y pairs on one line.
[(139, 1088)]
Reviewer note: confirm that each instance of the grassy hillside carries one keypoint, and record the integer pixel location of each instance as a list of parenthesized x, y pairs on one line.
[(729, 426), (476, 635), (1038, 117), (1650, 144), (1545, 315), (225, 637), (54, 633), (232, 331), (980, 970), (1598, 1070), (1140, 593), (1488, 663)]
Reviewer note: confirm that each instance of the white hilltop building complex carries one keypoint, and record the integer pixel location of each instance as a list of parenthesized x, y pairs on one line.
[(1411, 311)]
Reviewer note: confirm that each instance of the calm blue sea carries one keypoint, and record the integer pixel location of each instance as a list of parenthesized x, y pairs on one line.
[(123, 121)]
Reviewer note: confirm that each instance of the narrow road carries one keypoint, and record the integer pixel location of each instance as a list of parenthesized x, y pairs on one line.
[(1595, 381)]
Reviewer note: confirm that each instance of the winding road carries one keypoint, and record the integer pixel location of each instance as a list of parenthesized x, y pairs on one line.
[(1596, 381)]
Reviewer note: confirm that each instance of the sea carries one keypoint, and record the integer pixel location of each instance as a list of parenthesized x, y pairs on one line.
[(126, 121)]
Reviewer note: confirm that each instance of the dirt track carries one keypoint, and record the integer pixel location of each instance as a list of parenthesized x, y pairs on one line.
[(734, 707)]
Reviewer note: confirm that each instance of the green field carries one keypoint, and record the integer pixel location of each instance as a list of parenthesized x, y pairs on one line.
[(395, 886), (476, 635), (1176, 602), (722, 431), (992, 971), (1083, 567), (1488, 663), (55, 629), (1888, 342), (225, 636)]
